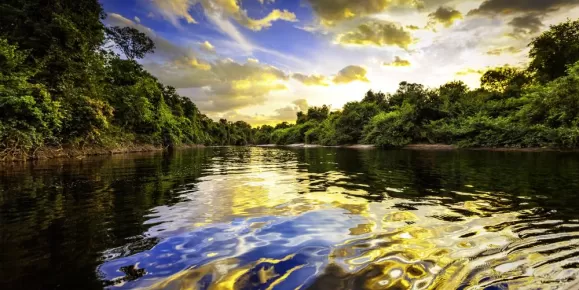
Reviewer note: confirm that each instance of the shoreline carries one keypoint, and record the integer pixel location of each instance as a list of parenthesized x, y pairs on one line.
[(72, 152), (428, 147), (69, 152)]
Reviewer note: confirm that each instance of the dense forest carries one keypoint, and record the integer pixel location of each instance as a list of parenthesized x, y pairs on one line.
[(61, 85)]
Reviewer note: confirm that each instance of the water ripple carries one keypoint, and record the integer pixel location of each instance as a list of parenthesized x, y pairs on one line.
[(254, 218)]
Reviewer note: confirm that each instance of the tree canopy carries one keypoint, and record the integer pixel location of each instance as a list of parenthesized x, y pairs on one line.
[(133, 43), (554, 51), (61, 86)]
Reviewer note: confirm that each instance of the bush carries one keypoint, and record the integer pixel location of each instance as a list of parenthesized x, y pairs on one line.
[(391, 129)]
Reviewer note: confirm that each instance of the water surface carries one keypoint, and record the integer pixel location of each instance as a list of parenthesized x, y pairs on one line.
[(269, 218)]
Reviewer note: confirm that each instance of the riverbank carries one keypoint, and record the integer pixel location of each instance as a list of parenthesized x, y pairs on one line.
[(45, 153), (444, 147), (430, 147)]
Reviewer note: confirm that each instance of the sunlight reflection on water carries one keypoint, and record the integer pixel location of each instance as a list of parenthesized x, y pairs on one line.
[(255, 218), (260, 223)]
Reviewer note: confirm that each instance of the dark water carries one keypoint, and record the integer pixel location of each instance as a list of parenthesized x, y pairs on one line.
[(253, 218)]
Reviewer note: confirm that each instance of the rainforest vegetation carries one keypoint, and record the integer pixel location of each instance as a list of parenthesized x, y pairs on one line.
[(61, 85)]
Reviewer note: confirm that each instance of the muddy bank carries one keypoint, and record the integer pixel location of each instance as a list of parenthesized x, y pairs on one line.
[(430, 147), (496, 149), (45, 153), (499, 149)]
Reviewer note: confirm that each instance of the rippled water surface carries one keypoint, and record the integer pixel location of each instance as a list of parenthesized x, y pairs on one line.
[(267, 218)]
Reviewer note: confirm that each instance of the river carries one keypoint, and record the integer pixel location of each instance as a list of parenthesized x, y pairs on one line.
[(281, 218)]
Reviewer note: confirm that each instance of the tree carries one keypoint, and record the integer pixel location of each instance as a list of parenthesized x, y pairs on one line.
[(318, 113), (29, 116), (554, 50), (282, 125), (351, 122), (263, 134), (505, 79), (555, 104), (132, 42), (301, 117), (392, 129), (451, 94), (371, 97), (63, 35)]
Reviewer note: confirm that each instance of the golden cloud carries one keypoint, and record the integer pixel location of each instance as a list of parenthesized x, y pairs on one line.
[(504, 50), (207, 47), (331, 12), (196, 63), (259, 24), (311, 80), (398, 62), (470, 71), (285, 114), (239, 85), (379, 33), (350, 74), (302, 104), (412, 27), (174, 10), (252, 70), (445, 16), (224, 84)]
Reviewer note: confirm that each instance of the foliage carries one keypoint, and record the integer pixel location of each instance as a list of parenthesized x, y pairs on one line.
[(133, 43), (508, 80), (554, 51), (354, 117), (555, 104), (59, 86), (392, 129), (29, 116)]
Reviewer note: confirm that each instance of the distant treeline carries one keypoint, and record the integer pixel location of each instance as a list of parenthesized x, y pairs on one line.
[(537, 106), (60, 86)]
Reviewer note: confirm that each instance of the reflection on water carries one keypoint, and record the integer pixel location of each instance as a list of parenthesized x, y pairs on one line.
[(257, 218)]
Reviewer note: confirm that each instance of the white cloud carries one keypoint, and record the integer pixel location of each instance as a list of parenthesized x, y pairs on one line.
[(175, 10), (207, 47)]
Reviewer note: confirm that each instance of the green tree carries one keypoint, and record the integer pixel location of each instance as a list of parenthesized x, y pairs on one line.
[(452, 97), (318, 113), (351, 122), (132, 42), (392, 129), (555, 50), (29, 116), (263, 134), (508, 80), (63, 35), (555, 104)]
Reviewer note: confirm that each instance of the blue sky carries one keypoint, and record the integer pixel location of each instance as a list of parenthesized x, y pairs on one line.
[(264, 60)]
